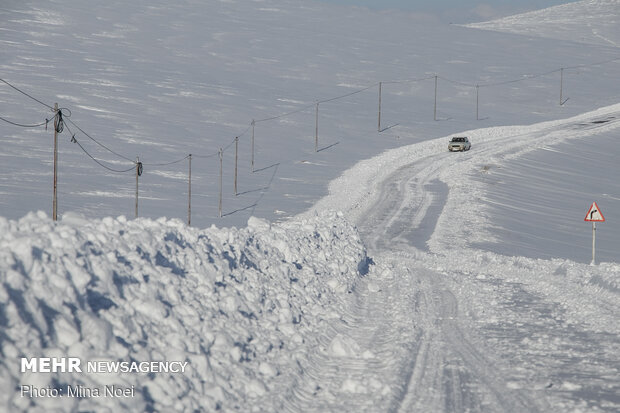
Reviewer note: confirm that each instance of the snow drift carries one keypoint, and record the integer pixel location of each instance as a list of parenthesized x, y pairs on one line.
[(236, 304)]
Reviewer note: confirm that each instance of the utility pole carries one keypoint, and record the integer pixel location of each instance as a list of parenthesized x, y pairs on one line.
[(253, 124), (189, 196), (561, 86), (435, 108), (379, 124), (56, 126), (138, 173), (477, 101), (316, 129), (236, 160), (221, 172)]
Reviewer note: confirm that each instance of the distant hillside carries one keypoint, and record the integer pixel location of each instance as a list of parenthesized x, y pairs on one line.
[(587, 21)]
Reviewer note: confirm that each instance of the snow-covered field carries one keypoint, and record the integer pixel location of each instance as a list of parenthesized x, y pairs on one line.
[(447, 281)]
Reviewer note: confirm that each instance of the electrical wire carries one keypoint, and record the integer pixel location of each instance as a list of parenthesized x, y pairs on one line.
[(63, 114), (455, 82), (206, 156), (224, 149), (98, 162), (394, 82), (99, 143), (523, 78), (313, 105), (24, 125), (285, 114), (26, 94), (348, 94), (165, 164)]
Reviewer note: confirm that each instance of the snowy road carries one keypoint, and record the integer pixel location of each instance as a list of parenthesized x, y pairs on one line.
[(435, 328)]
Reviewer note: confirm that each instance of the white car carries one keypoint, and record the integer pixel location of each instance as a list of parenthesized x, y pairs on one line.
[(459, 143)]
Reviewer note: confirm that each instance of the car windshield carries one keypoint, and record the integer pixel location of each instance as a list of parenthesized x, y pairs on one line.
[(458, 139)]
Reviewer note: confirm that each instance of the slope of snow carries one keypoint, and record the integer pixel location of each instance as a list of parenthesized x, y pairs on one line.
[(588, 21), (240, 306), (159, 81), (456, 306), (515, 332)]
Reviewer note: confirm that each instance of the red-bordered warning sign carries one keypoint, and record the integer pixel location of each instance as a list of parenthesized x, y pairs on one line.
[(594, 214)]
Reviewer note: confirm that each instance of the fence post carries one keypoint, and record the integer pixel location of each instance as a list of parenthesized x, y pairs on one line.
[(316, 129), (189, 196), (56, 126), (221, 172), (379, 123)]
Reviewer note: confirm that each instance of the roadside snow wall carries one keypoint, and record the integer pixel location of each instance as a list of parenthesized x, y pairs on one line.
[(240, 306)]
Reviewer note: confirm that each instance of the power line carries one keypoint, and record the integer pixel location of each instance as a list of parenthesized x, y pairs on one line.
[(167, 163), (455, 82), (394, 82), (62, 112), (97, 161), (24, 125), (206, 156), (285, 114), (246, 130), (523, 78), (229, 145), (348, 94), (99, 143), (26, 94), (313, 105), (594, 64)]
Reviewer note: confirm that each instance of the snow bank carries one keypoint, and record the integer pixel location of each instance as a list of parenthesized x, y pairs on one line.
[(587, 294), (238, 305)]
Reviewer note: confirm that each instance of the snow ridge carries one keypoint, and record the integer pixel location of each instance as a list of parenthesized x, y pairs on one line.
[(236, 304)]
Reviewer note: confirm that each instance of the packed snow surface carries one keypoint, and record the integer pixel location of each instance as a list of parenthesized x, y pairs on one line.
[(422, 281)]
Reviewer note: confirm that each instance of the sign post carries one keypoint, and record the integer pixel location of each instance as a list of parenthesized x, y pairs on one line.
[(594, 215)]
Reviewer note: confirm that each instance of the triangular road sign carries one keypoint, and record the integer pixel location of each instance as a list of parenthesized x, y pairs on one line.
[(594, 214)]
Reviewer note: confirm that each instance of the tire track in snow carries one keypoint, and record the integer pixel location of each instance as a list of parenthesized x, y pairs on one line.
[(410, 320), (430, 369), (357, 363)]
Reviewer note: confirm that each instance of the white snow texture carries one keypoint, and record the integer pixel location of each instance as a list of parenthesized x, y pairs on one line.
[(375, 272)]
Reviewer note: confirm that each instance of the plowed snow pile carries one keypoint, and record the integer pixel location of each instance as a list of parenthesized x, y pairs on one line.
[(236, 304)]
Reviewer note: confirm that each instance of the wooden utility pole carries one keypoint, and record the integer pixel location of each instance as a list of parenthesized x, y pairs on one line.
[(477, 101), (435, 107), (221, 172), (189, 194), (236, 160), (379, 124), (561, 86), (56, 126), (253, 124), (138, 173), (316, 129)]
